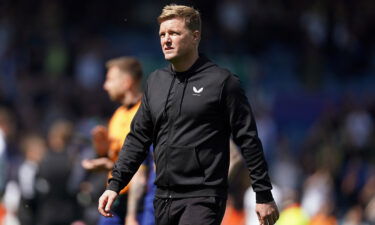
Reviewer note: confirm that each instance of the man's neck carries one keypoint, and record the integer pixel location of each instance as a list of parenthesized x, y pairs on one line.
[(186, 63), (131, 98)]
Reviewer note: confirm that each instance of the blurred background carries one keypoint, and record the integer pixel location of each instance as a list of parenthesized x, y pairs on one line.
[(308, 68)]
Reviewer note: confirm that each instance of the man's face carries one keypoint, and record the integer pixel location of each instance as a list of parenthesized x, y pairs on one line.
[(176, 39), (115, 83)]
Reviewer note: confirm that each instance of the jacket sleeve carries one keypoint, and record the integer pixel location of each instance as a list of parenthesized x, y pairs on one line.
[(245, 135), (135, 148)]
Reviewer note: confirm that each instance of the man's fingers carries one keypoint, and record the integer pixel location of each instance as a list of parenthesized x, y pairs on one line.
[(101, 205), (266, 221), (275, 216), (261, 219), (109, 204), (267, 213), (105, 203), (270, 220)]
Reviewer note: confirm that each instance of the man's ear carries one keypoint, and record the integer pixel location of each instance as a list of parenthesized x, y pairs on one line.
[(197, 35), (127, 81)]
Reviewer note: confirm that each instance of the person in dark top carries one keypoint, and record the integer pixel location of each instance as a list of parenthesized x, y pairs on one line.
[(189, 112), (56, 204)]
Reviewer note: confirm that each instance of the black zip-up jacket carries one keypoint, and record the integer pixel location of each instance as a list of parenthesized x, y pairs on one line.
[(189, 117)]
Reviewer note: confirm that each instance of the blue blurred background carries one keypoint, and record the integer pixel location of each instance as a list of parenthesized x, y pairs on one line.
[(308, 68)]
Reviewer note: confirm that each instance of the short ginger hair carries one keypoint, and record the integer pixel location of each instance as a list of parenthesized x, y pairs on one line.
[(128, 65), (189, 14)]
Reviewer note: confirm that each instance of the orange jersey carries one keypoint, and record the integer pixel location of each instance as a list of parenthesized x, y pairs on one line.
[(118, 129)]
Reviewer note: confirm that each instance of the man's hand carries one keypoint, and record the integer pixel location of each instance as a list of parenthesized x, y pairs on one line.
[(105, 203), (100, 164), (100, 140), (267, 213)]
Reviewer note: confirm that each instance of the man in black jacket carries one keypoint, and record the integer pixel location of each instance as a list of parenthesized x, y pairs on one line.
[(189, 111)]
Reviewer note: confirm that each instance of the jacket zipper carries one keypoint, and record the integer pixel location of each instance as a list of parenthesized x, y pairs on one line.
[(171, 119), (183, 94), (169, 133)]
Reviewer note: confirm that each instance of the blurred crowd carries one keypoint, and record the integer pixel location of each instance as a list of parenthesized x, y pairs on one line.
[(308, 68)]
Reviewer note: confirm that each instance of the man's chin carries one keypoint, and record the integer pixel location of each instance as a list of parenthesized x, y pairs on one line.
[(114, 98), (169, 57)]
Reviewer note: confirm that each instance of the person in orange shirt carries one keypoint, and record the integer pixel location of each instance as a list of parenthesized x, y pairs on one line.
[(123, 85)]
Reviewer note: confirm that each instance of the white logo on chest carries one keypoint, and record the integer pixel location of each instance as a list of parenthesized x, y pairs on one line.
[(197, 91)]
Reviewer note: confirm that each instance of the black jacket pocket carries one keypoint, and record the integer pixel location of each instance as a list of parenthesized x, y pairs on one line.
[(183, 167)]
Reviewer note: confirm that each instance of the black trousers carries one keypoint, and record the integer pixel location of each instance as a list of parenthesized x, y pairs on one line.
[(189, 211)]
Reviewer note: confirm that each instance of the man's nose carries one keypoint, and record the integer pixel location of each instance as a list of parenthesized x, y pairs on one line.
[(168, 39)]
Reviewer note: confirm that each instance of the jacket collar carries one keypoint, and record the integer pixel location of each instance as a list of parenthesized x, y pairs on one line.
[(200, 64)]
